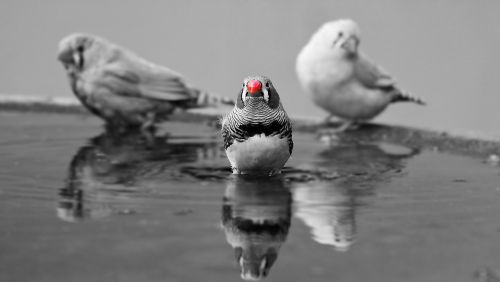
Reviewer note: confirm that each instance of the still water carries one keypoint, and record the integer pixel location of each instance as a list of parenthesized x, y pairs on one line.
[(80, 204)]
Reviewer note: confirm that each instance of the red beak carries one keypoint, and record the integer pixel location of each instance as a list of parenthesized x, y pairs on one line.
[(254, 86)]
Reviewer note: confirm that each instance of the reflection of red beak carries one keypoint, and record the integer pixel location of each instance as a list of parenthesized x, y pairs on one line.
[(254, 86), (350, 44), (253, 270)]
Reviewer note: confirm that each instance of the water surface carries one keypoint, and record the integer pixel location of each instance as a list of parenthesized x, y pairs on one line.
[(80, 204)]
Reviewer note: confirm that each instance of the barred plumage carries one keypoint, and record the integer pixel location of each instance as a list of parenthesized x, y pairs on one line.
[(407, 97), (259, 115), (256, 118)]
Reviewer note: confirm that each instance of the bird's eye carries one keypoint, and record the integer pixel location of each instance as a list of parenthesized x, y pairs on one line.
[(268, 85), (341, 34), (79, 49)]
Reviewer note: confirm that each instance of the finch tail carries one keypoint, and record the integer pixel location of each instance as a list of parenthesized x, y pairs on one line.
[(407, 97), (202, 99)]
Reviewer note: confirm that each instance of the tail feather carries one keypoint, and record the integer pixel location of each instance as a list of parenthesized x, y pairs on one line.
[(407, 97), (202, 98)]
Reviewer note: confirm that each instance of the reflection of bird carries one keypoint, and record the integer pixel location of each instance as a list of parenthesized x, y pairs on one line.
[(111, 166), (122, 88), (257, 132), (342, 80), (329, 211), (374, 160), (328, 208), (486, 274), (256, 218)]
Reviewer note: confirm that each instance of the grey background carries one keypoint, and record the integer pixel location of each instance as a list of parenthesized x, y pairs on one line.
[(444, 51)]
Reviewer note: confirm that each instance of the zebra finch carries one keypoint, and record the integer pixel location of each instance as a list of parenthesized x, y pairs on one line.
[(257, 132)]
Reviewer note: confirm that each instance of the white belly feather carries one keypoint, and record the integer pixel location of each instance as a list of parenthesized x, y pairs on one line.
[(259, 154)]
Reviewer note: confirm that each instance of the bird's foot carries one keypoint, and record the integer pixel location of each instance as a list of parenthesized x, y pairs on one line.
[(149, 135), (345, 126), (331, 120), (330, 136), (257, 173), (348, 125), (149, 121)]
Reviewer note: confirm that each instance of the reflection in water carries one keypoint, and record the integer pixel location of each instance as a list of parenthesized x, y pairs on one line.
[(373, 159), (256, 216), (111, 166), (328, 211), (329, 208), (487, 274)]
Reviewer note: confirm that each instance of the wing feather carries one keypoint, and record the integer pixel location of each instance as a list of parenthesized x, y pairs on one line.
[(371, 75), (130, 75)]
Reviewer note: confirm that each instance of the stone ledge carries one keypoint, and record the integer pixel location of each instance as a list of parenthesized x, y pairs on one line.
[(477, 145)]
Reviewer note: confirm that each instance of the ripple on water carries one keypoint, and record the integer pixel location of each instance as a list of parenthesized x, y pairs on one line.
[(142, 198)]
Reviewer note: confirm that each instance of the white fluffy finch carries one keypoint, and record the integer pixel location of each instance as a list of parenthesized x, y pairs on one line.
[(341, 79), (257, 132), (122, 88)]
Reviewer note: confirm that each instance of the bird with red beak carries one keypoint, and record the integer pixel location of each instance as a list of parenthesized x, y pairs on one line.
[(257, 132)]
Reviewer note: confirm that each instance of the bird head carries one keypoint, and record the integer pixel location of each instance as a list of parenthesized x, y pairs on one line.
[(255, 261), (77, 50), (258, 90), (342, 35)]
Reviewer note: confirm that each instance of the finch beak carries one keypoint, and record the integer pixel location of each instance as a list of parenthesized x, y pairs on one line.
[(66, 56), (254, 88), (253, 270), (350, 44)]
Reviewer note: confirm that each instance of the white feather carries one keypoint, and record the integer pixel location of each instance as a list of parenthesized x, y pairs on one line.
[(258, 154)]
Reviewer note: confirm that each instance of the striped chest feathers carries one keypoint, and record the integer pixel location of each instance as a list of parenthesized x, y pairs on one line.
[(257, 132)]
